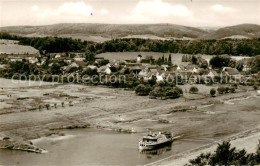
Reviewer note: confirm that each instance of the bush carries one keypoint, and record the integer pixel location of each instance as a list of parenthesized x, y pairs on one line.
[(234, 85), (194, 89), (212, 92), (142, 90), (179, 90), (255, 87), (221, 90), (226, 89), (173, 94), (232, 90)]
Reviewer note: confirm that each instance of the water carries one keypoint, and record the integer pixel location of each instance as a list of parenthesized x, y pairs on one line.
[(99, 147), (92, 147)]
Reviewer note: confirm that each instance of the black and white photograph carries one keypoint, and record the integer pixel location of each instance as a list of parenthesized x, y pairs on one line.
[(129, 82)]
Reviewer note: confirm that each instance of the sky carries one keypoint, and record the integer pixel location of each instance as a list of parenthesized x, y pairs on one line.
[(197, 13)]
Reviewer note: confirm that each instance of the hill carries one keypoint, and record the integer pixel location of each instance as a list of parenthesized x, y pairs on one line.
[(237, 31), (104, 32)]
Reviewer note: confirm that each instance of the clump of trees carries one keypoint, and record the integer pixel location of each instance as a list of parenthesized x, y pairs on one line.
[(193, 90), (142, 90), (212, 92), (225, 155), (221, 61), (166, 92)]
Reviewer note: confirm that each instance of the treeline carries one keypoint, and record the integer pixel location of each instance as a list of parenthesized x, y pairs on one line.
[(237, 47), (50, 44), (248, 47)]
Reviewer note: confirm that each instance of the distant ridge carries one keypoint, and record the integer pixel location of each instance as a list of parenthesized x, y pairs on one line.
[(242, 30), (103, 32)]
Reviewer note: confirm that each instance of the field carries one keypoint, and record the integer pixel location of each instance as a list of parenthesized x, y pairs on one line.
[(122, 110), (176, 57), (11, 47)]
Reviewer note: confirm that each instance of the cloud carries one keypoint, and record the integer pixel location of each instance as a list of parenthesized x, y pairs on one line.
[(160, 8), (222, 9), (67, 11), (104, 12), (35, 8)]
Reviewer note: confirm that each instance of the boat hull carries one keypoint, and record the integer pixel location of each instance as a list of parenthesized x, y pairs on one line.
[(156, 146)]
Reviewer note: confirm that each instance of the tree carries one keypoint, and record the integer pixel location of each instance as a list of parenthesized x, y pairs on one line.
[(194, 59), (56, 69), (221, 90), (194, 89), (142, 90), (232, 90), (212, 92), (170, 58), (47, 106), (173, 94), (220, 61), (225, 155)]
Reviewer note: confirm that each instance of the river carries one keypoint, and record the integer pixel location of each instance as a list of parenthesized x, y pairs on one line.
[(92, 147)]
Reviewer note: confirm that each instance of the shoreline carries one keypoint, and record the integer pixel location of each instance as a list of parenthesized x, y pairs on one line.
[(184, 157), (124, 111)]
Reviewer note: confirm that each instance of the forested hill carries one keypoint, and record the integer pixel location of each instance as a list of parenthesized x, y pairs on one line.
[(237, 47), (104, 32)]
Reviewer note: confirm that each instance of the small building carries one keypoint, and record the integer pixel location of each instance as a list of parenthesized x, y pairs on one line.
[(92, 67), (104, 70), (229, 71), (33, 60), (212, 74), (15, 59), (79, 58), (139, 58)]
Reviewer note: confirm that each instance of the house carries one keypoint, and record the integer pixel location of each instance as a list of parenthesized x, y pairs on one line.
[(229, 71), (135, 69), (192, 68), (81, 64), (139, 58), (33, 60), (160, 75), (92, 67), (74, 64), (104, 69), (57, 56), (180, 68), (15, 59), (165, 67), (246, 68), (79, 58), (212, 74)]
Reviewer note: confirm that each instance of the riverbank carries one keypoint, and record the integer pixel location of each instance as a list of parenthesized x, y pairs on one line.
[(199, 118), (247, 140)]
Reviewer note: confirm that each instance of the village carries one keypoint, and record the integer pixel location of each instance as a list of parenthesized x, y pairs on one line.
[(73, 67)]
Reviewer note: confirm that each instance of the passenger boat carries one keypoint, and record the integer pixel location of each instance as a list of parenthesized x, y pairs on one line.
[(155, 140)]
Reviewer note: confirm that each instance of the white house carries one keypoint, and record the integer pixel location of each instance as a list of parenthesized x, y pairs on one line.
[(246, 68), (74, 65), (108, 71), (15, 59), (79, 58), (57, 56), (139, 58), (33, 60), (92, 67), (104, 69)]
